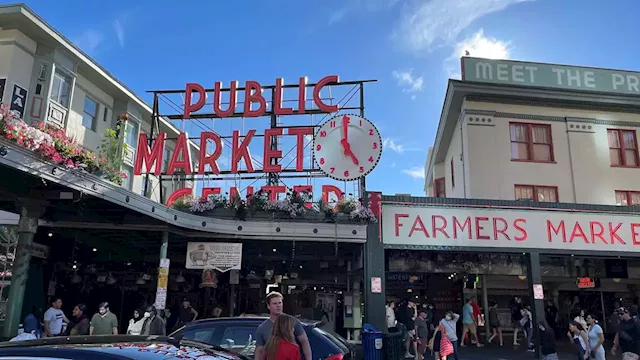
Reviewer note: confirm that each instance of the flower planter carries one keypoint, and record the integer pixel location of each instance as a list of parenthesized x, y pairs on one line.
[(223, 213)]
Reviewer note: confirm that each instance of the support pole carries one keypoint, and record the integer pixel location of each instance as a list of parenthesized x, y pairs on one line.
[(163, 273), (165, 244), (485, 307), (534, 277), (374, 267), (27, 227)]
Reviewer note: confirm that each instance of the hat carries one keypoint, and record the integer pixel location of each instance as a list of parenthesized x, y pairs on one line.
[(622, 310)]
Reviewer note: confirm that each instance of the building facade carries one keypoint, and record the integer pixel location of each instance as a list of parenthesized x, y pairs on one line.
[(574, 148), (530, 187), (51, 80)]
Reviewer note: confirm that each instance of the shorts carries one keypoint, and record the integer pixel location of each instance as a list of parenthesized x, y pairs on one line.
[(422, 345), (410, 325), (471, 327), (495, 325)]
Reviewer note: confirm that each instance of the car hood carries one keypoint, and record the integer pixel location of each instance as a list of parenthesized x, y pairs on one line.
[(148, 351)]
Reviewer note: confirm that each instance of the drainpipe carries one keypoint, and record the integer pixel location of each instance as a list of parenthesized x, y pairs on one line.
[(464, 174), (573, 179)]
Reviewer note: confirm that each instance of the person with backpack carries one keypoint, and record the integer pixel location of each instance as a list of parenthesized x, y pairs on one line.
[(627, 338)]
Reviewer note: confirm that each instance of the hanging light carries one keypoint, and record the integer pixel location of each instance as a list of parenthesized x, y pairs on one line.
[(180, 278), (110, 279)]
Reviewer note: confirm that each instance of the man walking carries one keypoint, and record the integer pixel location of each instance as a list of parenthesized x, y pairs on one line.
[(104, 322), (627, 337), (274, 305), (469, 323)]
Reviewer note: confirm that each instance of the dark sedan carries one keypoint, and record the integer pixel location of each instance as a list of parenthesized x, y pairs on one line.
[(238, 335), (109, 347)]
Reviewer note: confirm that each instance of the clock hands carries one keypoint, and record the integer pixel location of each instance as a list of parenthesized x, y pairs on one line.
[(345, 142), (347, 151)]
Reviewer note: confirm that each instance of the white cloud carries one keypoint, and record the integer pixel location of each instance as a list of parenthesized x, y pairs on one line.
[(391, 144), (119, 26), (89, 41), (435, 23), (477, 45), (407, 81), (416, 172)]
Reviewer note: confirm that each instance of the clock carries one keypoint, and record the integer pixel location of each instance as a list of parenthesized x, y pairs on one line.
[(347, 147)]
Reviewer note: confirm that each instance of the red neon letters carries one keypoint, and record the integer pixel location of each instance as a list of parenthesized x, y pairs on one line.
[(496, 228), (152, 158), (253, 95), (274, 191)]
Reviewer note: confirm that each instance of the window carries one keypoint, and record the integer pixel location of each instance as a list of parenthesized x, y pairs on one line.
[(453, 179), (165, 159), (203, 335), (89, 113), (131, 134), (439, 188), (61, 88), (531, 142), (537, 193), (627, 198), (128, 170), (105, 114), (623, 148)]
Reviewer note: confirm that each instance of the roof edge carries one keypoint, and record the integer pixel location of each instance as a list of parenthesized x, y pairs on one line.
[(84, 57)]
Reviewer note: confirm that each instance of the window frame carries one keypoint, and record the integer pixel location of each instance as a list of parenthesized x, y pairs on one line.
[(435, 188), (623, 149), (627, 194), (126, 167), (530, 143), (136, 135), (94, 121), (69, 80), (453, 179), (534, 189)]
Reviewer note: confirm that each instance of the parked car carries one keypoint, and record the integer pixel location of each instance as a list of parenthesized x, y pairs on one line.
[(116, 347), (238, 335)]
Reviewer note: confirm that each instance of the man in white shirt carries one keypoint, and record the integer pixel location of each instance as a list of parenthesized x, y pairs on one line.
[(391, 315), (53, 319)]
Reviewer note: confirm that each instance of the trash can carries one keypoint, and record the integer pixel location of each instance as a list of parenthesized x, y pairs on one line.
[(393, 346), (372, 344)]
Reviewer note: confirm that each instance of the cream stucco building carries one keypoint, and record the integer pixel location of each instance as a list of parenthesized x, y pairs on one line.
[(68, 89), (511, 130)]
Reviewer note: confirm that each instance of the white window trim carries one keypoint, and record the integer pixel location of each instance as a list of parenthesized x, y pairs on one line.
[(99, 106), (72, 86)]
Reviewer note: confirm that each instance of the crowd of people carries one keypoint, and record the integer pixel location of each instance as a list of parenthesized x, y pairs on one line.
[(146, 320), (422, 331)]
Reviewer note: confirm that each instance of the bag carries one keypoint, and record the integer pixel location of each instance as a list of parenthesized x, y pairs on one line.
[(432, 340), (446, 348)]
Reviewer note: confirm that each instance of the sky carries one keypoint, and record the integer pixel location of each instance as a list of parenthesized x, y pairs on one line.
[(411, 47)]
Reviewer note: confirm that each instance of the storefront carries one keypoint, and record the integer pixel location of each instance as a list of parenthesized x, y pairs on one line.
[(443, 251)]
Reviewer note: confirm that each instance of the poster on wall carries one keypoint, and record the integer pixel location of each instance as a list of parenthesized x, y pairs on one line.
[(219, 256), (18, 99), (325, 310)]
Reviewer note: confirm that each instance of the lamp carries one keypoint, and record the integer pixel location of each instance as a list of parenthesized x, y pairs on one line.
[(522, 277), (616, 280), (180, 278)]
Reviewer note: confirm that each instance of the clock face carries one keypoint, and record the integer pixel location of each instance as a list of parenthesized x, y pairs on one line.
[(347, 147)]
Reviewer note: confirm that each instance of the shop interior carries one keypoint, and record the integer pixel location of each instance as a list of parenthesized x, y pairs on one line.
[(597, 285), (320, 280)]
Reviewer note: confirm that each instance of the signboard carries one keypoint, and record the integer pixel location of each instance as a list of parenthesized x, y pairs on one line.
[(18, 99), (587, 283), (509, 228), (161, 289), (376, 285), (219, 256), (342, 146), (39, 251), (553, 76), (538, 292)]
